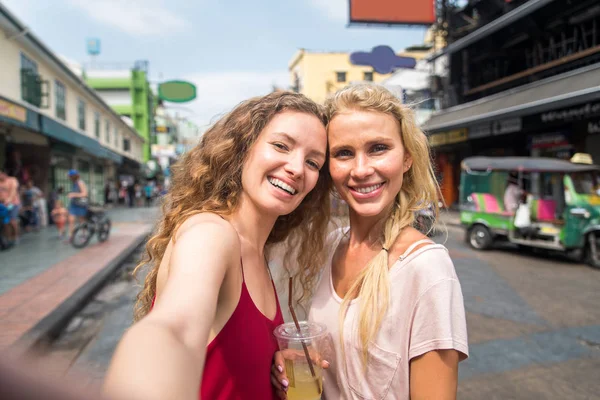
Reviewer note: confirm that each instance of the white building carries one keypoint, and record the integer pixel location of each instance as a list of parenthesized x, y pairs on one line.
[(51, 121), (414, 87)]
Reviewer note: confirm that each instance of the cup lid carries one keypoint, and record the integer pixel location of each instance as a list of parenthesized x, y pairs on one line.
[(308, 330)]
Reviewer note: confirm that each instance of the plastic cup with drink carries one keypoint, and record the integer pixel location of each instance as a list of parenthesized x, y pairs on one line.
[(301, 344)]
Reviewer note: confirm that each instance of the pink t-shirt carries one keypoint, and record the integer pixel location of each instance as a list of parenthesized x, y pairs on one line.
[(426, 312)]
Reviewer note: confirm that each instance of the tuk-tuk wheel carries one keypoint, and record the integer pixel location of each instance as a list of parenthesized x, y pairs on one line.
[(592, 254), (480, 237)]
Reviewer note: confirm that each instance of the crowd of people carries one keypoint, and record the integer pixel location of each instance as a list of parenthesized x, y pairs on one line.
[(24, 207), (133, 193)]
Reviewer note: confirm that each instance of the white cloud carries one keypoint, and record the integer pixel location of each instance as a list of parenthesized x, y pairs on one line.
[(336, 10), (136, 17), (219, 92)]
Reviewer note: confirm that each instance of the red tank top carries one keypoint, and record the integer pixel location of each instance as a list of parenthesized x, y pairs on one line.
[(238, 360)]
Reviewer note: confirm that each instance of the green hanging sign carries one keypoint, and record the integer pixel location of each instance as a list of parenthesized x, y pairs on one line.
[(177, 91)]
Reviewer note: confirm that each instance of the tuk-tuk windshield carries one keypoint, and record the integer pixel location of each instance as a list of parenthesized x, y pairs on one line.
[(586, 182)]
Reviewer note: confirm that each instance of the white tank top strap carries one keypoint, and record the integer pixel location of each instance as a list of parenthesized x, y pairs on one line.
[(412, 247)]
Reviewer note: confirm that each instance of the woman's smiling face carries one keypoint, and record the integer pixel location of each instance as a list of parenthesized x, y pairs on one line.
[(283, 164), (367, 160)]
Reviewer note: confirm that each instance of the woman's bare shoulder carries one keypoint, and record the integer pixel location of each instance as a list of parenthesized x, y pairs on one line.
[(206, 222), (407, 238)]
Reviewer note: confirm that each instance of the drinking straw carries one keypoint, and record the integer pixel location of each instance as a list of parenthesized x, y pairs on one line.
[(310, 365)]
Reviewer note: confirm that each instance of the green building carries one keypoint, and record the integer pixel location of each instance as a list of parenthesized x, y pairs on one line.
[(128, 92)]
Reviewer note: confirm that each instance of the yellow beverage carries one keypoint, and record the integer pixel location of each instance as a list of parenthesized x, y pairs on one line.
[(301, 345), (304, 386)]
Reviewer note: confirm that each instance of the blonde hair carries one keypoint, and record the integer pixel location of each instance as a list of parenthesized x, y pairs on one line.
[(419, 191), (208, 178)]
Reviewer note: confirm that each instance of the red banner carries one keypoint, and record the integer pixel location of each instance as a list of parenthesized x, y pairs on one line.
[(397, 12)]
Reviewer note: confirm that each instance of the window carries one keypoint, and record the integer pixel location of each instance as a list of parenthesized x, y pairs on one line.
[(126, 145), (81, 114), (107, 135), (33, 89), (97, 124), (341, 76), (28, 64), (368, 76), (116, 134), (60, 94)]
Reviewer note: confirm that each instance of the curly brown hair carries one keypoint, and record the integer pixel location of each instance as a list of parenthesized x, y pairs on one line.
[(208, 178)]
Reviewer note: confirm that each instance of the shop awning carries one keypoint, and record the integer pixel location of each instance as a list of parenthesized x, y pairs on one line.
[(570, 88), (58, 131)]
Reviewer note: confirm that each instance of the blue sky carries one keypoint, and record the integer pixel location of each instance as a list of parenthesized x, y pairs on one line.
[(231, 49)]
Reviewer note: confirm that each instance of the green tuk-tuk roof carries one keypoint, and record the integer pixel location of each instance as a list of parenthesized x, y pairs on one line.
[(525, 164)]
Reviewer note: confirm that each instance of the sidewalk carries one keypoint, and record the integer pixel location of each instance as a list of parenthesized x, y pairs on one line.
[(43, 280)]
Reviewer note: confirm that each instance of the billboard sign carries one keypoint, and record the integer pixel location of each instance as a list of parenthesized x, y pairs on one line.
[(177, 91), (392, 12), (382, 59)]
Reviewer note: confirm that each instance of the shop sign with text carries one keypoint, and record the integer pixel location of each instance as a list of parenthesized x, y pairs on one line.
[(504, 126), (499, 127), (13, 111), (550, 141), (450, 137), (573, 113)]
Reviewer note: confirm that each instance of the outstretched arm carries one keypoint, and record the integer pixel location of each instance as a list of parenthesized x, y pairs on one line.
[(162, 356)]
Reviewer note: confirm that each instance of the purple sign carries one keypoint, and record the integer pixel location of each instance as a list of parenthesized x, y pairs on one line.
[(382, 59)]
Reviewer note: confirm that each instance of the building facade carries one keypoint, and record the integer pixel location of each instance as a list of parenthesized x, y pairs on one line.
[(318, 74), (51, 121), (413, 85), (523, 79), (128, 92)]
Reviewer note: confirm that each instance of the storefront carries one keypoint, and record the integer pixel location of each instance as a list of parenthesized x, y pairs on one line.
[(498, 138), (61, 162), (24, 151), (449, 149), (560, 133), (592, 141)]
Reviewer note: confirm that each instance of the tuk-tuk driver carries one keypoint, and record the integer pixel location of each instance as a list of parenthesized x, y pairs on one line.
[(513, 193)]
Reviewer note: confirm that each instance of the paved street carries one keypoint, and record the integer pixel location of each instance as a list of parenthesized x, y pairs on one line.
[(534, 325), (40, 276), (533, 321)]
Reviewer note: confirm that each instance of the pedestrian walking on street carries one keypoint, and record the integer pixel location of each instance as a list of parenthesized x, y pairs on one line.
[(59, 217), (148, 189), (9, 189), (31, 209), (206, 314), (139, 198), (389, 296), (78, 203)]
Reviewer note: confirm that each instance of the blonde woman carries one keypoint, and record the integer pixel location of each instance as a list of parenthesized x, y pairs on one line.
[(389, 296), (208, 308)]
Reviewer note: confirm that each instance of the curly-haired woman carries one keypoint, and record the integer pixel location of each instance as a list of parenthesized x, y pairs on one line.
[(208, 308), (389, 296)]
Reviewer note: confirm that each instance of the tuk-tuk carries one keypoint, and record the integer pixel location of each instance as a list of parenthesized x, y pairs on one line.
[(557, 204)]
